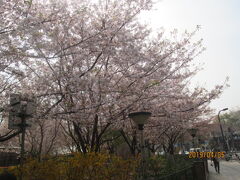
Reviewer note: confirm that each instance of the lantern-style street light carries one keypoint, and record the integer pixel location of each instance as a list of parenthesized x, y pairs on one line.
[(140, 118)]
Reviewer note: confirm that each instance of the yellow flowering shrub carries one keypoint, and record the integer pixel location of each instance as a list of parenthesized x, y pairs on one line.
[(94, 166), (90, 166)]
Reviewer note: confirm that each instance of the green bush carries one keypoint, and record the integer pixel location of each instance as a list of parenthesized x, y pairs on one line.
[(158, 165)]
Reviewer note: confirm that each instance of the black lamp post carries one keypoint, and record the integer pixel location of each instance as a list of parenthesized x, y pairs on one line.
[(224, 140), (140, 118)]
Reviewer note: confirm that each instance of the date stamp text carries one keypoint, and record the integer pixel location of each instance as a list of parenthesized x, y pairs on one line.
[(206, 155)]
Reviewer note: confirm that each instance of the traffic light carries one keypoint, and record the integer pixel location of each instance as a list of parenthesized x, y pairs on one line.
[(20, 107)]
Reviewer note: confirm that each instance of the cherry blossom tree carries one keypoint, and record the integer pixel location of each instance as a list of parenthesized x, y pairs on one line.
[(11, 17), (92, 63)]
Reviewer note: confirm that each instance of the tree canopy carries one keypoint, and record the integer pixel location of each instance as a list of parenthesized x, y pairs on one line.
[(92, 63)]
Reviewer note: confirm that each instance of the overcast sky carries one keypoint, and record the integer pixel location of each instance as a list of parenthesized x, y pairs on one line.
[(220, 30)]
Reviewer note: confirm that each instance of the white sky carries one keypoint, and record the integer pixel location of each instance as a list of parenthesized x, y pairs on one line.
[(220, 31)]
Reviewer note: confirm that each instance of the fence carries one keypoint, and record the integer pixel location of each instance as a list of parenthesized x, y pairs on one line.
[(8, 159)]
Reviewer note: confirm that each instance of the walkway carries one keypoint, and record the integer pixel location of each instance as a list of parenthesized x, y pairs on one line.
[(229, 170)]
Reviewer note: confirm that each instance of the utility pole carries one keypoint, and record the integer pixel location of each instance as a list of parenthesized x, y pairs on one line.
[(22, 126)]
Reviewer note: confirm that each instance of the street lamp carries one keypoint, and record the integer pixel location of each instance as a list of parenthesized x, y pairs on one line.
[(224, 140), (140, 118), (192, 132)]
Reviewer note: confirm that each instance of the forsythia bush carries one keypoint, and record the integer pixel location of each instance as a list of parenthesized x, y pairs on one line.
[(91, 166)]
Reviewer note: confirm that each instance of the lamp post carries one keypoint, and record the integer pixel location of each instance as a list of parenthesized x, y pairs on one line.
[(231, 138), (224, 140), (193, 132), (140, 118)]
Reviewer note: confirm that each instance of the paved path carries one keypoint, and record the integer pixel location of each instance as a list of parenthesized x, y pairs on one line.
[(229, 170)]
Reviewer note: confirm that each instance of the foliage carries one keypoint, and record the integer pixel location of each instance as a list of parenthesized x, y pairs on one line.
[(91, 63), (96, 166), (90, 166), (232, 118), (158, 166)]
